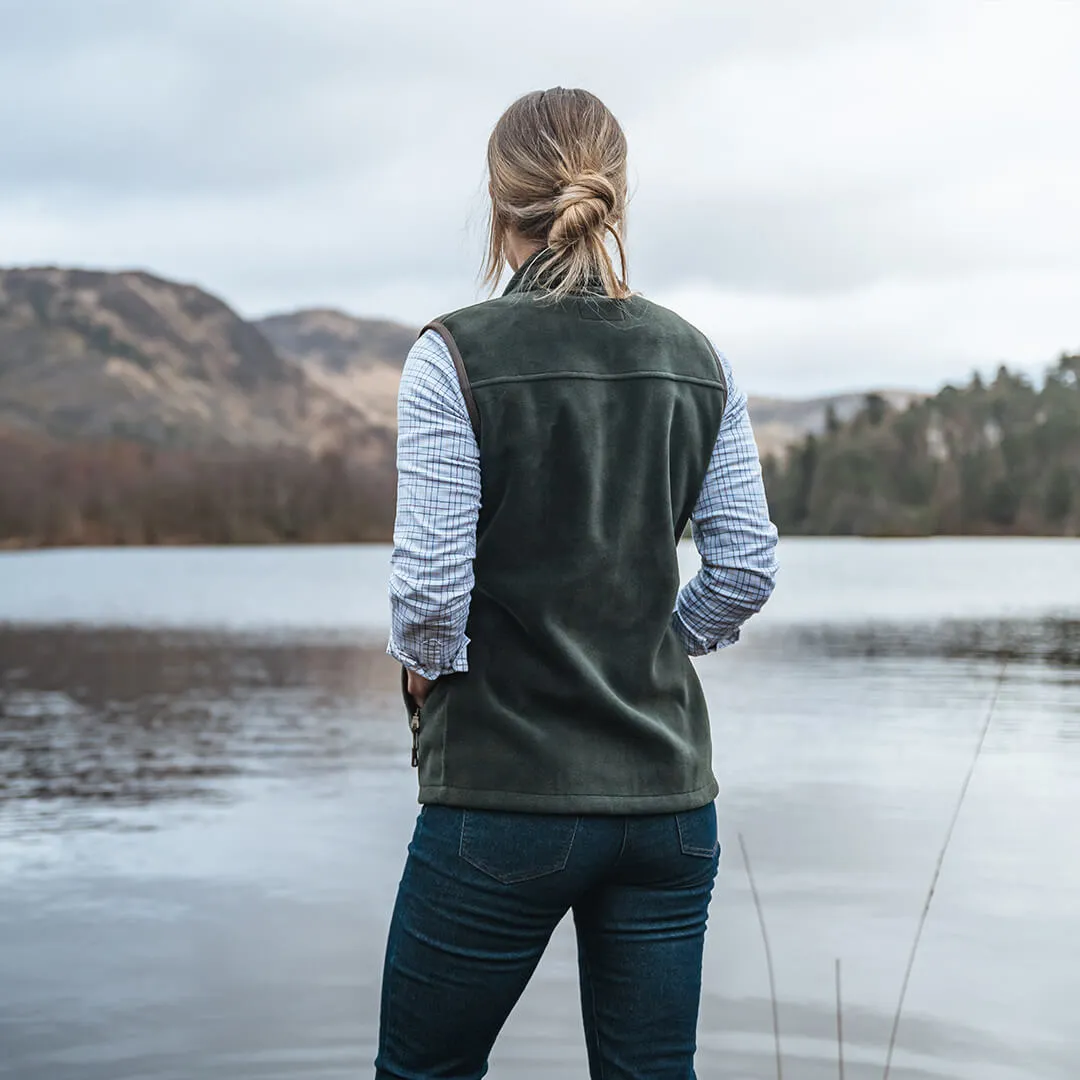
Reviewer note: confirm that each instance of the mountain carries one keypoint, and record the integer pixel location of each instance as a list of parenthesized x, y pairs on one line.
[(336, 342), (135, 410), (357, 360), (86, 355)]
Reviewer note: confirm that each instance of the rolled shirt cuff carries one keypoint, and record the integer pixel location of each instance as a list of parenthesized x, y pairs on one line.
[(429, 664), (694, 643)]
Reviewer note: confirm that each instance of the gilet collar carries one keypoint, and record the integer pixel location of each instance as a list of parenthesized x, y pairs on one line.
[(523, 279)]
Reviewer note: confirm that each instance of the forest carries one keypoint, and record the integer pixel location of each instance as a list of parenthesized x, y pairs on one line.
[(127, 493), (997, 458)]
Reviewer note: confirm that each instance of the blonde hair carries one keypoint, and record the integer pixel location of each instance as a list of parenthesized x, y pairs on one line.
[(557, 166)]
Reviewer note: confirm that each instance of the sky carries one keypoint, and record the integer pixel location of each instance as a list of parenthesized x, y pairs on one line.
[(842, 194)]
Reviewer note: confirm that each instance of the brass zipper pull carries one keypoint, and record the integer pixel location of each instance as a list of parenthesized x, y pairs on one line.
[(414, 724)]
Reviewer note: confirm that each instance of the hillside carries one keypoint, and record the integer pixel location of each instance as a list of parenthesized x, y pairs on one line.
[(139, 410), (86, 356), (357, 360)]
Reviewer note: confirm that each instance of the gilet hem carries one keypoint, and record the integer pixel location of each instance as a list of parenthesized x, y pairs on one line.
[(538, 803)]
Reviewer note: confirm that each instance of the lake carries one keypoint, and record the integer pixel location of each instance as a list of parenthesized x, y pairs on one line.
[(205, 798)]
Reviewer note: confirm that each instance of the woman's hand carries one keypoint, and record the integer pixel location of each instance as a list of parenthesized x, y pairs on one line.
[(419, 687)]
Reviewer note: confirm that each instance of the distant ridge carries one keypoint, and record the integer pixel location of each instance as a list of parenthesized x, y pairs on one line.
[(357, 360), (88, 355)]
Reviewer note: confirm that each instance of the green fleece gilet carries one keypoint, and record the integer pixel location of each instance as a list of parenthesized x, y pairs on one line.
[(596, 419)]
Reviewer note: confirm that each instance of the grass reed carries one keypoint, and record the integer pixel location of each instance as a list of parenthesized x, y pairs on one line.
[(918, 931)]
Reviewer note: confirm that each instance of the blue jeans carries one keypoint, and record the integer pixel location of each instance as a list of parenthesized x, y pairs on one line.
[(482, 893)]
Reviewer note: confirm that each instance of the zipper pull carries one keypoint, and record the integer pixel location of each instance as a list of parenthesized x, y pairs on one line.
[(414, 724)]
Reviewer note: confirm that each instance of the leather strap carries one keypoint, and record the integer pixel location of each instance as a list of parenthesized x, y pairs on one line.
[(463, 377)]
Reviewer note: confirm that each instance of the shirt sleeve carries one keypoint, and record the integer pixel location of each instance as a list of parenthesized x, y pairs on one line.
[(733, 535), (438, 504)]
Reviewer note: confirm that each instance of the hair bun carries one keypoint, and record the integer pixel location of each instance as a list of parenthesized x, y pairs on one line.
[(557, 176), (581, 208)]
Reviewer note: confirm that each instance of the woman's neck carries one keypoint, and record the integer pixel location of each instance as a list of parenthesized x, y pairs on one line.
[(518, 249)]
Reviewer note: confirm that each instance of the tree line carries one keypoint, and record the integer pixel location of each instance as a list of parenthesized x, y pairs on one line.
[(118, 493), (987, 458)]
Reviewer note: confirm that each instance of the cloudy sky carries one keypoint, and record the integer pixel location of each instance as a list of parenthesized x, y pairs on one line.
[(842, 193)]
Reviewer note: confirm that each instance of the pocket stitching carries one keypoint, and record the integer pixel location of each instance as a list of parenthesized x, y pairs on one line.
[(516, 878), (693, 849)]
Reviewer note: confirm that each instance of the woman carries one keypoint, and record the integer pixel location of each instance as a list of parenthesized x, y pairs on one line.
[(553, 445)]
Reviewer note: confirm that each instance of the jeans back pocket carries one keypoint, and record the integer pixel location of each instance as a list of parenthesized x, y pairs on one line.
[(698, 831), (514, 847)]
